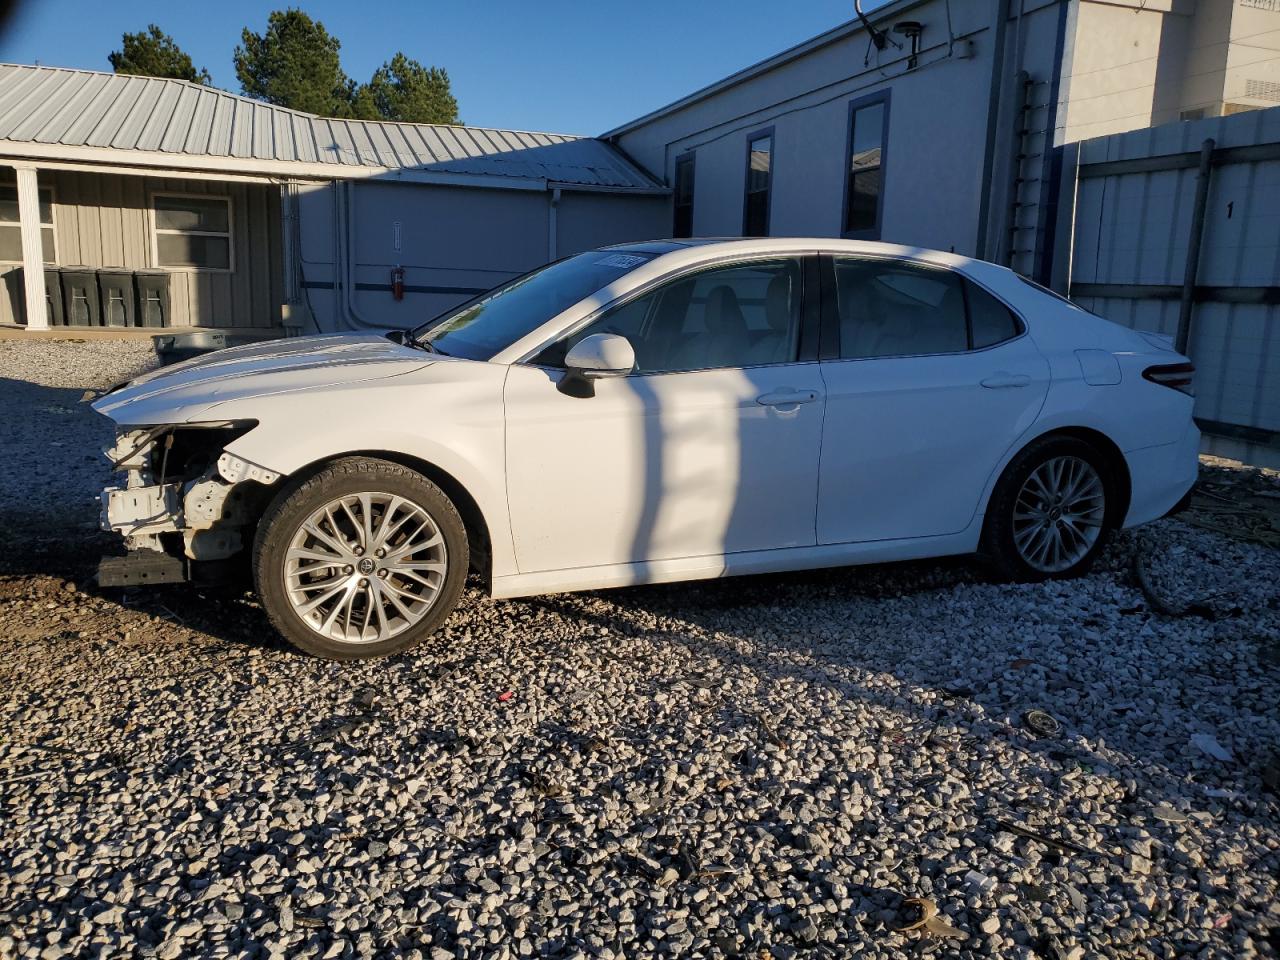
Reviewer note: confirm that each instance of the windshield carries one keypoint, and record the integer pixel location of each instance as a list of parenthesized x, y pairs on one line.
[(480, 329)]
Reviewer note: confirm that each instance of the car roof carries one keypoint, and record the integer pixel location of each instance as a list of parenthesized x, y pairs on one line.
[(693, 250)]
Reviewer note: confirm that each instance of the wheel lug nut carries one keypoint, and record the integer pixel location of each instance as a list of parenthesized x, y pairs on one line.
[(359, 551), (364, 582), (348, 569), (379, 552), (383, 573)]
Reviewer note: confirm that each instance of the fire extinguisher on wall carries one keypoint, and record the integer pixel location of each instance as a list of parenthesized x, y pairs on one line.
[(397, 282)]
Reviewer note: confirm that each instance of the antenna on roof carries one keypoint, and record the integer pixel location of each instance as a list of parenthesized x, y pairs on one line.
[(878, 36)]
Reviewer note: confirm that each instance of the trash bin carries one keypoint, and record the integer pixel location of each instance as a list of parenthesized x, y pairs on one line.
[(53, 297), (14, 288), (80, 296), (115, 290), (15, 282), (152, 287)]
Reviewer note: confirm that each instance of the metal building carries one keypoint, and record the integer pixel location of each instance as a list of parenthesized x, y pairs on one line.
[(143, 201), (935, 122)]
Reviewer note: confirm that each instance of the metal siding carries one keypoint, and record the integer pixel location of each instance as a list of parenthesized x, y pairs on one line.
[(134, 232), (1133, 228), (85, 108), (103, 220), (159, 117)]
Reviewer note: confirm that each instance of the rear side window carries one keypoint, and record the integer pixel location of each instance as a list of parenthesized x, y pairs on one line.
[(895, 309), (992, 321), (890, 309)]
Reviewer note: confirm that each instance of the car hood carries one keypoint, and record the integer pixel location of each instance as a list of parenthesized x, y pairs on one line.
[(190, 390)]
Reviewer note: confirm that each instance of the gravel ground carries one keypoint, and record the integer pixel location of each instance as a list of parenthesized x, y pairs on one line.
[(763, 767), (53, 464)]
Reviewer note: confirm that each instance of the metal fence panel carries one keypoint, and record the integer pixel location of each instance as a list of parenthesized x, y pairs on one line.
[(1134, 199)]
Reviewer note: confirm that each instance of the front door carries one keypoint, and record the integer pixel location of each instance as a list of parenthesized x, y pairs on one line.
[(709, 447), (931, 383)]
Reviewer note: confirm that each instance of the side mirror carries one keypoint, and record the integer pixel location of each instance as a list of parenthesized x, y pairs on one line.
[(593, 358), (601, 355)]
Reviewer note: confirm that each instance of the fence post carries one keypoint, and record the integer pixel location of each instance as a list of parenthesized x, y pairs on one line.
[(1193, 246)]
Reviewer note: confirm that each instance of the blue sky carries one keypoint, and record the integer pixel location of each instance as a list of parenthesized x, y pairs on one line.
[(571, 67)]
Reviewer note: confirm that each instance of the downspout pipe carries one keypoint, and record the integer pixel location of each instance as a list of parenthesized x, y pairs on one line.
[(353, 319), (552, 227), (1187, 302), (993, 117), (339, 249)]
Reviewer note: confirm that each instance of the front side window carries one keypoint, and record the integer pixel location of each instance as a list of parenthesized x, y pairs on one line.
[(890, 308), (683, 197), (867, 125), (744, 315), (192, 232), (482, 328), (755, 219), (11, 228)]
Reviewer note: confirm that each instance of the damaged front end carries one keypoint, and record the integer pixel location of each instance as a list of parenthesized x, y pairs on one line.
[(185, 501)]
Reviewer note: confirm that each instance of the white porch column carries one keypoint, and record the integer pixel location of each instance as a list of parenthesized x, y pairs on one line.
[(32, 248)]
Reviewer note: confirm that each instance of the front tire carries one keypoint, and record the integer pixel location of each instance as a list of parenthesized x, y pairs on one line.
[(363, 559), (1050, 514)]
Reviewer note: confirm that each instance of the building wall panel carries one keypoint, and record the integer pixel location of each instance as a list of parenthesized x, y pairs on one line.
[(104, 220)]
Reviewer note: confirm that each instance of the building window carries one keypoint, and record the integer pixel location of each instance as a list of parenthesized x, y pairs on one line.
[(683, 226), (755, 218), (11, 227), (863, 198), (192, 232)]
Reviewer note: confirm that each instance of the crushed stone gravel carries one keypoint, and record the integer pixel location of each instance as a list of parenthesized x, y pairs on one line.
[(763, 766), (53, 464)]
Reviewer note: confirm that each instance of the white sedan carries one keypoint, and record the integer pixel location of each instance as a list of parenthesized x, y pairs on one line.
[(653, 412)]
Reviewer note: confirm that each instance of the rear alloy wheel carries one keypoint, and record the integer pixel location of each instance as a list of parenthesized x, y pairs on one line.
[(1048, 517), (364, 559)]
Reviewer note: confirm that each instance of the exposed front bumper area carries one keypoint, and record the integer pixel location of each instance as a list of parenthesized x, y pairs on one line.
[(184, 498), (142, 568)]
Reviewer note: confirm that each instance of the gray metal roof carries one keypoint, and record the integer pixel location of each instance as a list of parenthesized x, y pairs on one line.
[(149, 120)]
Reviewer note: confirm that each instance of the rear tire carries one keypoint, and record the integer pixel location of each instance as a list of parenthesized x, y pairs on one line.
[(363, 559), (1051, 512)]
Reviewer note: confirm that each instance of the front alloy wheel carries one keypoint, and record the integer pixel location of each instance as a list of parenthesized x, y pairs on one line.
[(365, 567), (363, 559)]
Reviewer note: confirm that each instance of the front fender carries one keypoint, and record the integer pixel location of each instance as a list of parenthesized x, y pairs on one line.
[(457, 427)]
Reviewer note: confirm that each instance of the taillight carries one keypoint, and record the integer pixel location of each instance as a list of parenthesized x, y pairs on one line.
[(1179, 376)]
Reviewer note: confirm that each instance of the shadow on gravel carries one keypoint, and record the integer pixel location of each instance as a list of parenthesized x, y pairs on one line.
[(917, 681)]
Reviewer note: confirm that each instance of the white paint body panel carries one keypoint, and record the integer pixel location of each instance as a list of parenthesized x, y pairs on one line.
[(660, 467), (685, 476), (910, 441)]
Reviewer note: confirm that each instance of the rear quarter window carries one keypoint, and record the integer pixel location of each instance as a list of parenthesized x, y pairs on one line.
[(992, 322)]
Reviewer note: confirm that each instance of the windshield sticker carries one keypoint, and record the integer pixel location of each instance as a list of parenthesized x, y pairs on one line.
[(623, 260)]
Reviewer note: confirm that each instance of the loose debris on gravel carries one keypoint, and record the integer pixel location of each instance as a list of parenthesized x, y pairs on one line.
[(805, 765)]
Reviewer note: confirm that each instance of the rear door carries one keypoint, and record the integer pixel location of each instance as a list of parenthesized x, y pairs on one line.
[(929, 380)]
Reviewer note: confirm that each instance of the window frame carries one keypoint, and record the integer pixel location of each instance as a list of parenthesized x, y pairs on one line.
[(156, 231), (761, 134), (880, 97), (689, 157), (830, 346), (807, 349), (52, 224)]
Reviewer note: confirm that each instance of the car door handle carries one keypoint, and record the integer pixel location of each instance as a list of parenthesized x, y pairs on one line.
[(1002, 380), (786, 397)]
